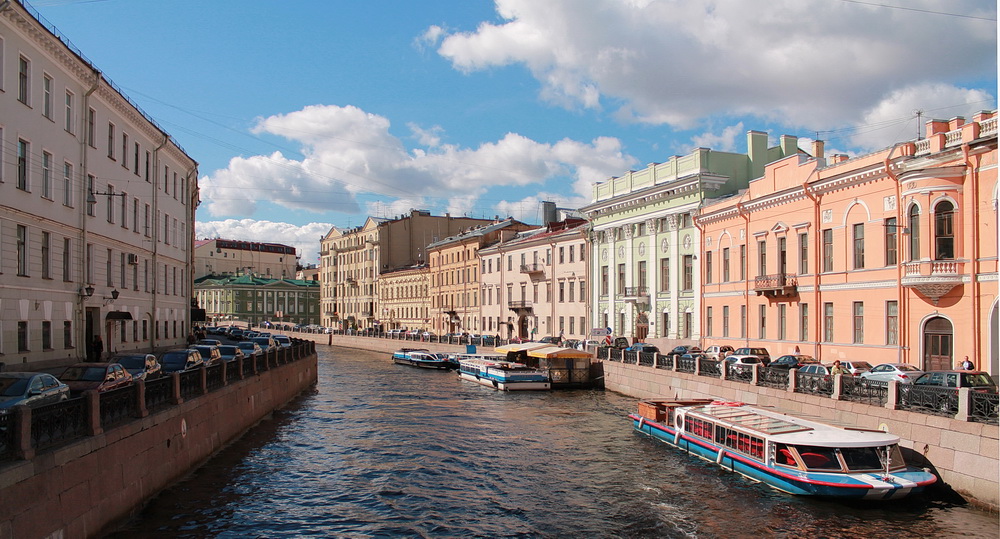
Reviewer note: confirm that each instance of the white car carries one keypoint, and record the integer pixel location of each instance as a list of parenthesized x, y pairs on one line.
[(903, 373), (283, 341), (716, 351)]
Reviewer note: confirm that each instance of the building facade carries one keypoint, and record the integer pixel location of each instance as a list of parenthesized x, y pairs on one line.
[(403, 298), (97, 208), (454, 275), (256, 300), (235, 257), (644, 245), (536, 284), (889, 257), (351, 261)]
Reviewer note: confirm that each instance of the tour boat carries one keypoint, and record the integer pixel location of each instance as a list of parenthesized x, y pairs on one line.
[(792, 454), (421, 357), (498, 373)]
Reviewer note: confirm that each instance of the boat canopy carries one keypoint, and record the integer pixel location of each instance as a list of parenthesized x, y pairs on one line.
[(520, 347), (552, 352)]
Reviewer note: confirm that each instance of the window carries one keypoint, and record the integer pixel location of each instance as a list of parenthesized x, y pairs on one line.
[(23, 149), (107, 269), (124, 149), (782, 255), (666, 324), (743, 321), (583, 291), (803, 322), (762, 318), (46, 256), (914, 233), (859, 322), (562, 292), (688, 325), (944, 231), (891, 242), (642, 277), (828, 249), (22, 336), (67, 334), (23, 76), (22, 250), (47, 175), (859, 246), (743, 262), (688, 283), (111, 207), (761, 258), (804, 253), (620, 285), (67, 260), (135, 160), (47, 96), (708, 267), (46, 335), (725, 265), (725, 320), (828, 322), (664, 275), (782, 320), (892, 322), (708, 321), (91, 127), (111, 140), (562, 255)]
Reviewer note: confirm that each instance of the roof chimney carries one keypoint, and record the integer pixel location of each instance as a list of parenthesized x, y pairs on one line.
[(817, 149)]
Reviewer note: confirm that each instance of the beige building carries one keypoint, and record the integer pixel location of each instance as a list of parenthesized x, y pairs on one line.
[(352, 260), (454, 275), (535, 284), (222, 258), (97, 208), (403, 295)]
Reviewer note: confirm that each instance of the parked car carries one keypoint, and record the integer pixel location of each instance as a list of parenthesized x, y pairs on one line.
[(180, 360), (717, 352), (140, 366), (266, 343), (236, 333), (101, 377), (900, 372), (573, 343), (231, 352), (30, 389), (283, 341), (822, 380), (209, 353), (250, 348), (761, 353), (617, 343), (743, 361), (977, 380), (210, 342), (642, 347), (591, 344), (679, 351), (793, 361), (549, 340)]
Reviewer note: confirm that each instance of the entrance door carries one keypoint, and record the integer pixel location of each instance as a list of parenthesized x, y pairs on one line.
[(938, 341), (641, 327), (522, 327)]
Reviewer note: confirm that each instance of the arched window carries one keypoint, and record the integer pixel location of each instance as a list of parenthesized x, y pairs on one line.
[(944, 231), (914, 233)]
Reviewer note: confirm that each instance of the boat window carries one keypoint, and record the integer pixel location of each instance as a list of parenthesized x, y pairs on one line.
[(698, 427), (784, 456), (871, 458), (740, 441), (819, 458)]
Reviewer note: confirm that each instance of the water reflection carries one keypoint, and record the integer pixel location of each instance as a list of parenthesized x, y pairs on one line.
[(384, 450)]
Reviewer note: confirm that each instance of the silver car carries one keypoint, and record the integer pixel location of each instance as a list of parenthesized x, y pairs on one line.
[(30, 389), (903, 373)]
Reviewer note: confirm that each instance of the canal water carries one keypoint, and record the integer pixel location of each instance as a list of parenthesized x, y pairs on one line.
[(384, 450)]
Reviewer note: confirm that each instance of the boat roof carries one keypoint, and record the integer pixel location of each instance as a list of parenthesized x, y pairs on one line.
[(520, 347), (557, 352), (784, 428)]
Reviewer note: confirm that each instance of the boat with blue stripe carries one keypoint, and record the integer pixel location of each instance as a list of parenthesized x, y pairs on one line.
[(809, 457), (421, 357), (499, 373)]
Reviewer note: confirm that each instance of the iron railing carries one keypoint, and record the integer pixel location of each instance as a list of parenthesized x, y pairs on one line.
[(813, 384), (739, 373), (983, 407), (59, 423), (858, 389), (773, 377), (159, 393), (118, 405), (709, 367)]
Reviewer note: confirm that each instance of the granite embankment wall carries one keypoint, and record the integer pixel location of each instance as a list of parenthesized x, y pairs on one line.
[(82, 488), (965, 455)]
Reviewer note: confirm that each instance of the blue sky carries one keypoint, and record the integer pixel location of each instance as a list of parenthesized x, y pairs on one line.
[(308, 114)]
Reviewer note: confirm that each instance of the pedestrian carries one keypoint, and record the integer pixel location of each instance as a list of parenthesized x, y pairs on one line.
[(838, 368), (191, 339), (968, 365), (98, 348)]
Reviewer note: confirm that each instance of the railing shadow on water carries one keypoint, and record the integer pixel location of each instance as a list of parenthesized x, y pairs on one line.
[(55, 425)]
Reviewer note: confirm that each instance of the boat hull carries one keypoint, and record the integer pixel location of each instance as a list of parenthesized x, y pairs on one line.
[(422, 360), (506, 385), (869, 486)]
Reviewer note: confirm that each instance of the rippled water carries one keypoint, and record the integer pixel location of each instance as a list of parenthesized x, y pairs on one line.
[(384, 450)]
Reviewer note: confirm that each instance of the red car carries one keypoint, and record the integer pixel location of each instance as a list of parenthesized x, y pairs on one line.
[(103, 377)]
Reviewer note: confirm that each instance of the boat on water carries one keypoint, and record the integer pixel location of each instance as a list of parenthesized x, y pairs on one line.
[(792, 454), (499, 373), (421, 357)]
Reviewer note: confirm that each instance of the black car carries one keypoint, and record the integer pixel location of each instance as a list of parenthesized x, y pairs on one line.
[(793, 361), (679, 351), (180, 360), (140, 366)]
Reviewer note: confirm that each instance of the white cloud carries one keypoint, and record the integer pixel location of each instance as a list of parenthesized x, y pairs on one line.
[(304, 238), (349, 153), (807, 64), (724, 141)]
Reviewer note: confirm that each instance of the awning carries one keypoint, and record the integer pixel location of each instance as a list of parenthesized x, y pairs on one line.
[(119, 315), (550, 352), (520, 347)]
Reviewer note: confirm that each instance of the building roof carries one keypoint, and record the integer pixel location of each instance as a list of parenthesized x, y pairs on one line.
[(251, 280), (475, 232)]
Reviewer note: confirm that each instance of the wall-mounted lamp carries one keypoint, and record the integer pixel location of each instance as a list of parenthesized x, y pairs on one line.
[(109, 300), (92, 198), (87, 292)]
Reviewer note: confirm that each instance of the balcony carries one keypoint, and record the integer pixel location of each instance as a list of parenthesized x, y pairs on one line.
[(636, 294), (532, 268), (779, 285), (933, 278), (521, 305)]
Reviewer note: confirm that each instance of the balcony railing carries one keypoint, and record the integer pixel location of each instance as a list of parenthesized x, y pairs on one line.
[(933, 278), (518, 304), (776, 285), (532, 268)]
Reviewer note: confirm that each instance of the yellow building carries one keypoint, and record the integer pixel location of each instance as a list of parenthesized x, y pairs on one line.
[(403, 296)]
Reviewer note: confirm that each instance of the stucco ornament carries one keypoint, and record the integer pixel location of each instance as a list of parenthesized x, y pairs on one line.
[(664, 245)]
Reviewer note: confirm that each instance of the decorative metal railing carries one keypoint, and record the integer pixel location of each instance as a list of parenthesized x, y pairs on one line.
[(664, 362), (7, 435), (709, 367), (739, 373), (858, 389), (647, 358), (928, 399), (232, 371), (983, 407), (55, 424), (213, 377), (159, 393), (814, 384), (685, 364), (773, 377), (118, 405), (190, 384), (630, 357)]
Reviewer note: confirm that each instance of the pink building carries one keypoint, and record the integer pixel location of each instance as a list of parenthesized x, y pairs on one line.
[(888, 257)]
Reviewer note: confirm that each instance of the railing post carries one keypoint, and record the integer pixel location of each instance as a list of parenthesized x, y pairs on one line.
[(225, 377), (892, 395), (791, 380), (140, 399), (204, 379), (22, 433), (92, 400), (723, 375), (175, 387), (697, 366), (964, 403), (755, 374), (838, 387), (239, 366)]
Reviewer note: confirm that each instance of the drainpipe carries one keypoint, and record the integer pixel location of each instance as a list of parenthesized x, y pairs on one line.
[(746, 275), (193, 195), (977, 338), (902, 321), (84, 208), (701, 274), (817, 260), (155, 240)]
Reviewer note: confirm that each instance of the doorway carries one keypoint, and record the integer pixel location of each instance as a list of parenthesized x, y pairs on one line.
[(938, 345)]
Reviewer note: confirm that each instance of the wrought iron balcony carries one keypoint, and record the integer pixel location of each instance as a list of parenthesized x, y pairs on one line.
[(532, 268), (933, 278), (520, 304), (777, 285), (636, 294)]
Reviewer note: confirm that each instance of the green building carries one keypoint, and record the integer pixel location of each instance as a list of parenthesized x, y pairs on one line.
[(254, 300)]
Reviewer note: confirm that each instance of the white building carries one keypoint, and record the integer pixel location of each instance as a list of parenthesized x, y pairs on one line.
[(96, 208)]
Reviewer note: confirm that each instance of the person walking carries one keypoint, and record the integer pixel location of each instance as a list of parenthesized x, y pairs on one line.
[(968, 365), (98, 348)]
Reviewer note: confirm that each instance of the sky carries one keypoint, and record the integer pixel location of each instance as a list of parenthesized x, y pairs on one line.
[(309, 114)]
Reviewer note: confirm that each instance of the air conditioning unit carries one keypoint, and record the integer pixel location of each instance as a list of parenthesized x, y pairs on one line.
[(133, 259)]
